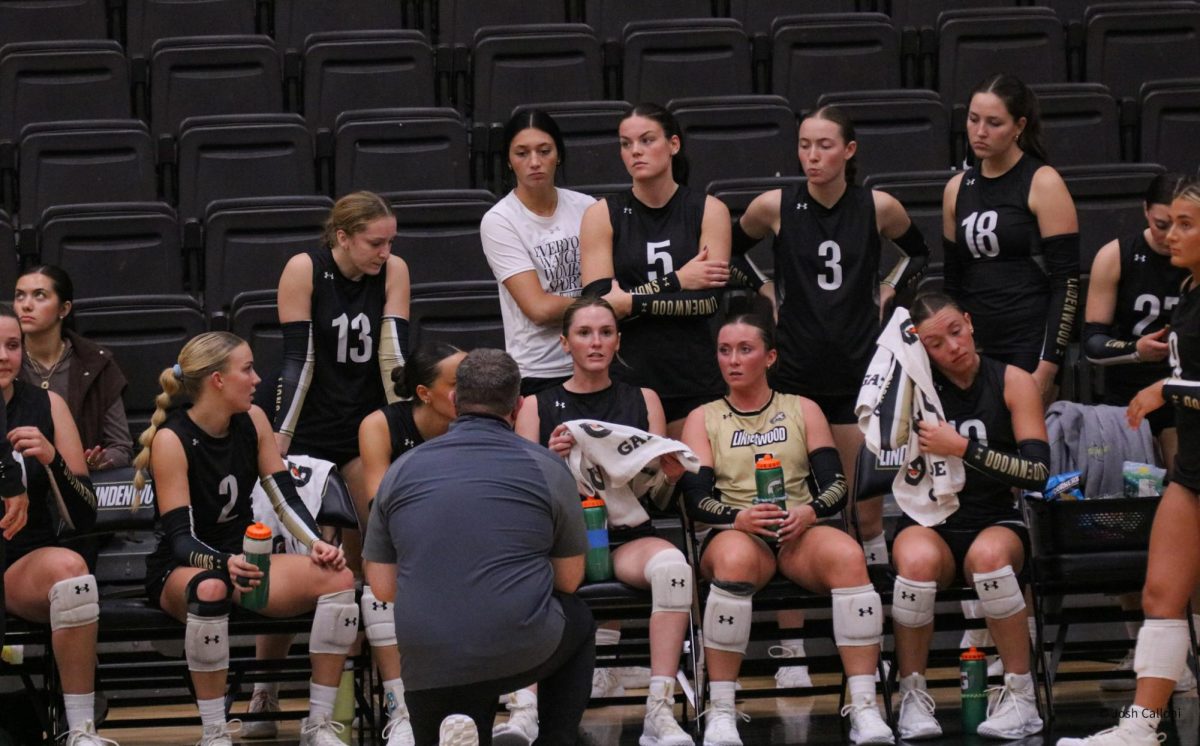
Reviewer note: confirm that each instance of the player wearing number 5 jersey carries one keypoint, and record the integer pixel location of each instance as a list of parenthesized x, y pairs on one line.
[(1012, 237)]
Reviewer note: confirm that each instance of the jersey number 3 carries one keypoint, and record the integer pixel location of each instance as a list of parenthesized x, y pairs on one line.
[(980, 230), (360, 351), (830, 278)]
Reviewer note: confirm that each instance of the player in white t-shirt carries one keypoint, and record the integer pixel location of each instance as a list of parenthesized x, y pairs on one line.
[(531, 239)]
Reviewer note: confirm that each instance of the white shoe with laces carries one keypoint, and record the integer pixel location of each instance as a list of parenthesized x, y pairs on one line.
[(261, 701), (521, 729), (720, 725), (85, 735), (321, 731), (866, 723), (458, 730), (790, 677), (398, 731), (219, 735), (1013, 714), (916, 719), (1116, 737), (606, 682), (660, 728)]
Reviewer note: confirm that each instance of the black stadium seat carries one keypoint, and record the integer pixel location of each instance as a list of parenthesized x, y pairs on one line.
[(392, 150), (817, 53), (609, 17), (1109, 202), (1170, 110), (737, 194), (22, 20), (1128, 43), (899, 130), (147, 21), (52, 81), (247, 241), (921, 195), (1080, 123), (685, 59), (589, 130), (295, 20), (124, 248), (458, 20), (923, 14), (8, 255), (466, 320), (730, 137), (438, 236), (757, 16), (254, 316)]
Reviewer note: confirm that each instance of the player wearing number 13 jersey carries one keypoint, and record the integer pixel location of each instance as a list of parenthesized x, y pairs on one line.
[(343, 308)]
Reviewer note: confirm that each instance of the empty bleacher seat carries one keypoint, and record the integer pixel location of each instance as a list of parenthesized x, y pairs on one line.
[(346, 70), (921, 194), (22, 20), (255, 155), (147, 21), (1080, 123), (1109, 202), (437, 235), (8, 255), (833, 52), (900, 130), (248, 241), (737, 194), (1169, 115), (195, 76), (921, 14), (756, 16), (466, 320), (609, 17), (458, 20), (52, 81), (124, 248), (731, 137), (514, 65), (684, 59), (1129, 43), (295, 20), (589, 131), (391, 150)]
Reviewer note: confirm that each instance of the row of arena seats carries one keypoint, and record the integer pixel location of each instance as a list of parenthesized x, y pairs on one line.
[(1122, 46)]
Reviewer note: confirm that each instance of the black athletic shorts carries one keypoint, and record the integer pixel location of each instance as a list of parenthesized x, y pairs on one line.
[(960, 540)]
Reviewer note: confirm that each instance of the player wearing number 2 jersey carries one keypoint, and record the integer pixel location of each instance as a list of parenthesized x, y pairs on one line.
[(1012, 238)]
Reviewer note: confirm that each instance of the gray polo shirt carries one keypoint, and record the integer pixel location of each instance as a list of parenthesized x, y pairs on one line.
[(471, 520)]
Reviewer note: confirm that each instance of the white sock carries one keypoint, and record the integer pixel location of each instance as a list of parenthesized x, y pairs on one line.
[(661, 687), (320, 700), (1140, 720), (1023, 681), (393, 697), (212, 711), (796, 645), (862, 687), (912, 681), (270, 687), (80, 709), (606, 636), (722, 692), (876, 550)]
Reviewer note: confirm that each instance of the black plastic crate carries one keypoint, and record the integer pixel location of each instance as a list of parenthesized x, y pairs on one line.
[(1090, 526)]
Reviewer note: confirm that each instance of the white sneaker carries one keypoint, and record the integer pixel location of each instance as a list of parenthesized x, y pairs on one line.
[(522, 726), (660, 728), (398, 731), (866, 723), (916, 719), (85, 735), (1013, 714), (458, 730), (634, 677), (1116, 737), (321, 731), (219, 735), (789, 677), (720, 725), (606, 682), (261, 701)]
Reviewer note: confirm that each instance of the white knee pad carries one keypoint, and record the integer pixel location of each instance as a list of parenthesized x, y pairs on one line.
[(857, 616), (727, 617), (999, 593), (670, 579), (1162, 648), (912, 602), (335, 624), (378, 619), (74, 602), (206, 642)]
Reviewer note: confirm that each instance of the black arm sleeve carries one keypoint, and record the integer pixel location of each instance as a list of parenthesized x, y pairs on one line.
[(951, 269), (292, 512), (1061, 254), (701, 505), (1028, 469), (743, 273), (826, 468), (299, 359), (912, 265), (1101, 348), (742, 241), (185, 547), (687, 303), (77, 499)]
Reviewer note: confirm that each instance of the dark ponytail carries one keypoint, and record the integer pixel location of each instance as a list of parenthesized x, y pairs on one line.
[(421, 368), (1020, 101), (670, 126)]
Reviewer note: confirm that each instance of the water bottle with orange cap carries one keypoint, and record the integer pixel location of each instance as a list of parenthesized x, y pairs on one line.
[(598, 561), (257, 548), (973, 673)]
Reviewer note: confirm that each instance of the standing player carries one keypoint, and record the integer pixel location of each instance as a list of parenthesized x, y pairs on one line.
[(531, 240), (207, 445), (1174, 564), (1011, 236), (658, 253)]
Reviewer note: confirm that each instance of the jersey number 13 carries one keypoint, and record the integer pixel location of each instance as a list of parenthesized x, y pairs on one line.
[(359, 350)]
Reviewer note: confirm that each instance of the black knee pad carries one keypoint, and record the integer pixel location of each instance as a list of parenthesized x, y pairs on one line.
[(209, 608)]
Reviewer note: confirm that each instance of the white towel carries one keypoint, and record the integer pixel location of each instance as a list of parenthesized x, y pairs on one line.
[(618, 464), (310, 475), (897, 392)]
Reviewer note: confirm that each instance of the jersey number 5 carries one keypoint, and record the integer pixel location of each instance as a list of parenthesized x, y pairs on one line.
[(658, 261), (361, 351), (980, 230)]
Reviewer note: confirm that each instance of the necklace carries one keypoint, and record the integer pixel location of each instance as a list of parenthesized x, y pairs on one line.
[(47, 373)]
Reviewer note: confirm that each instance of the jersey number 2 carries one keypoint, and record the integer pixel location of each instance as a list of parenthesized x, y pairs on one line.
[(228, 488), (360, 352), (1149, 305), (980, 230)]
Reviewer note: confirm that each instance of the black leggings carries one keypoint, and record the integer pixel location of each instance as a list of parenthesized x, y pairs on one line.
[(564, 679)]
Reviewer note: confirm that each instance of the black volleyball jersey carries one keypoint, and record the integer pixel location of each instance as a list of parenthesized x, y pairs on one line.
[(402, 429), (979, 413), (1184, 341), (346, 384), (30, 405), (221, 474), (827, 285), (675, 356), (1146, 295), (620, 404), (1001, 281)]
